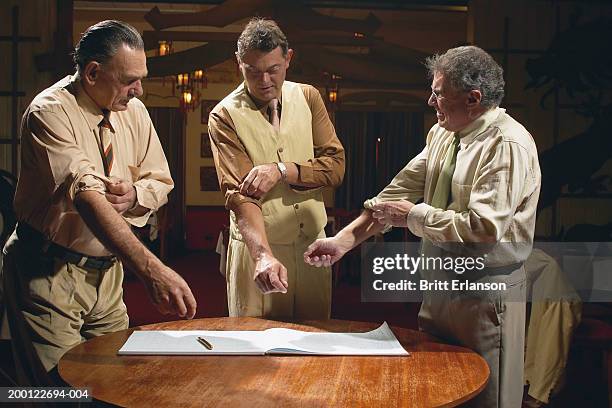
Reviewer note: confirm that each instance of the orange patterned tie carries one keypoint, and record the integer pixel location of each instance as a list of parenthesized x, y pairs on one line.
[(106, 143)]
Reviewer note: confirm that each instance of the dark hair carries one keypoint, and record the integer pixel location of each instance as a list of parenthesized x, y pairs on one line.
[(263, 35), (101, 41), (469, 68)]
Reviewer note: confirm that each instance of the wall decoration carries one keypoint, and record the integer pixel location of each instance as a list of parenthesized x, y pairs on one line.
[(208, 179), (205, 150), (207, 105)]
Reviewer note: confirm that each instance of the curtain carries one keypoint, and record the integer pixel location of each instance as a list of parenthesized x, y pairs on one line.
[(170, 126), (377, 145)]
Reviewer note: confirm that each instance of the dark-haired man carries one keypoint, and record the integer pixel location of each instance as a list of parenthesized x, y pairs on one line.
[(274, 147), (91, 165)]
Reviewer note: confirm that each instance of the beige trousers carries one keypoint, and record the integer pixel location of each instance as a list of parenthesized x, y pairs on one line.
[(556, 311), (52, 306), (308, 295), (493, 325)]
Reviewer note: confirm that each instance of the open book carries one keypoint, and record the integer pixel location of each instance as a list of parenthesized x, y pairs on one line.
[(378, 342)]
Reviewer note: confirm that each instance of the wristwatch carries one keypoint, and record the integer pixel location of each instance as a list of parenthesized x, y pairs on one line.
[(283, 170)]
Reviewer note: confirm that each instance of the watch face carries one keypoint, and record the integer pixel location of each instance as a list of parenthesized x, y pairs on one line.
[(283, 170)]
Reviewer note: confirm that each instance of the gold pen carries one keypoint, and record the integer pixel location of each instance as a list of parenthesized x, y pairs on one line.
[(205, 343)]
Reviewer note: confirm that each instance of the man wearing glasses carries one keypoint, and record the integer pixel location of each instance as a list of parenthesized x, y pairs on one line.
[(479, 179), (274, 148)]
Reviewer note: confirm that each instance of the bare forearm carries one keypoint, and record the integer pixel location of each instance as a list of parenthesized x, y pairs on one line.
[(110, 228), (362, 228), (251, 226)]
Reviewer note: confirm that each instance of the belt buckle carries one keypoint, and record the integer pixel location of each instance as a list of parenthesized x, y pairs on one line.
[(82, 262)]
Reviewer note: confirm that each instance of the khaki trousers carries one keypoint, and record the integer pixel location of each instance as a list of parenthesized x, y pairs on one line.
[(308, 295), (556, 311), (52, 306), (493, 325)]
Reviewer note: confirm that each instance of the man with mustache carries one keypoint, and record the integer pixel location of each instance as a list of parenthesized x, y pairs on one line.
[(274, 148), (91, 166)]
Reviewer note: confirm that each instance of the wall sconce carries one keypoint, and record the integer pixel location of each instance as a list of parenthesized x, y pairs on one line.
[(165, 48), (182, 80), (332, 95), (188, 100)]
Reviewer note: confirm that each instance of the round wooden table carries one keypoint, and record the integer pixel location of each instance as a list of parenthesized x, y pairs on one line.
[(434, 374)]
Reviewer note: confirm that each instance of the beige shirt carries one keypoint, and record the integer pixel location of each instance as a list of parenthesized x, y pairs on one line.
[(233, 162), (494, 190), (60, 157)]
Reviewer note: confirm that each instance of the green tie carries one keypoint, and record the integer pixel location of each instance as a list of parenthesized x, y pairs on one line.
[(440, 200), (443, 186)]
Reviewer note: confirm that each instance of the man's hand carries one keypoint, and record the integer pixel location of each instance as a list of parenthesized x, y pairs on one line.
[(260, 180), (392, 212), (324, 252), (121, 194), (169, 292), (270, 275)]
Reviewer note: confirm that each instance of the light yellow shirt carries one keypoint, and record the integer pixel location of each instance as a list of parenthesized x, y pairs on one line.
[(60, 157), (494, 190)]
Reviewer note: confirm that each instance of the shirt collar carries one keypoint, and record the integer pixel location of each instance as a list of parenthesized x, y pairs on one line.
[(263, 107), (92, 113), (479, 125)]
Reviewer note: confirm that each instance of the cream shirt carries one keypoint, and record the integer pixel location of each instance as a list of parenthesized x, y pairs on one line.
[(494, 190), (60, 157)]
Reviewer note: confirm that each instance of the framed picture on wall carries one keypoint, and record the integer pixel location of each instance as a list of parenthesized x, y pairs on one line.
[(206, 106), (208, 179), (205, 150)]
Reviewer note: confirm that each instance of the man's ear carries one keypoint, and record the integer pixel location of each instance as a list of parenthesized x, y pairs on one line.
[(474, 98), (91, 72), (288, 57)]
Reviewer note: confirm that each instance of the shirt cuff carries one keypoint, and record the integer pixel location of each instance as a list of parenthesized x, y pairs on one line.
[(141, 219), (416, 218), (369, 204), (148, 196), (305, 173)]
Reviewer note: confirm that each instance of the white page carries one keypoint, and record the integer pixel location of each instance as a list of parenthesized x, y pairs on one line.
[(184, 342), (380, 342)]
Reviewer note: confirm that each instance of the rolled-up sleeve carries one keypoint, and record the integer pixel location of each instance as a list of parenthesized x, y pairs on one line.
[(54, 147), (231, 159), (326, 169)]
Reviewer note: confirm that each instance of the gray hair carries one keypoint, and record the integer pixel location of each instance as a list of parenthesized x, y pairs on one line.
[(262, 35), (102, 41), (468, 68)]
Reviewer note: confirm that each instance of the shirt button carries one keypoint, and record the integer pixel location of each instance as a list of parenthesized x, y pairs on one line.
[(301, 225), (296, 206), (280, 149)]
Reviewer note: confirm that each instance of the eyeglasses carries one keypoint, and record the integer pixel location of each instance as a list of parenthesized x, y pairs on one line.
[(435, 95)]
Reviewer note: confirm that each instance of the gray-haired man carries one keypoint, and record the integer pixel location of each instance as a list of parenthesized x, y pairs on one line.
[(479, 178), (91, 165)]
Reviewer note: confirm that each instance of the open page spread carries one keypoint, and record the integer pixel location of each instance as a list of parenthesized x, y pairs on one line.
[(378, 342)]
